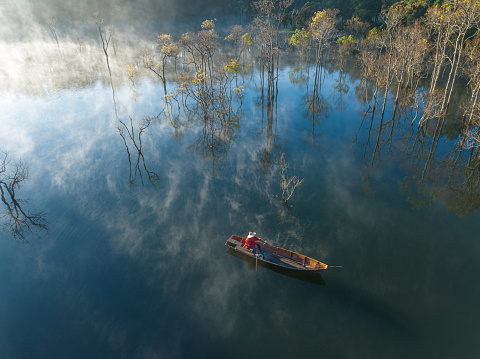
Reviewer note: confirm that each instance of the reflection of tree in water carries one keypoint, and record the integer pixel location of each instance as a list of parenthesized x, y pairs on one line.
[(212, 105), (269, 129), (317, 109), (127, 130), (382, 143), (434, 172), (452, 176), (271, 159), (271, 156), (218, 127), (285, 214), (341, 88), (16, 220), (299, 75), (464, 194)]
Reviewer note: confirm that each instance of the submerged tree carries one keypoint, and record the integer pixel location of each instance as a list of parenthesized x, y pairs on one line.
[(207, 94), (322, 29), (200, 47), (452, 24), (235, 35), (266, 24), (215, 103), (287, 184), (301, 39), (157, 62)]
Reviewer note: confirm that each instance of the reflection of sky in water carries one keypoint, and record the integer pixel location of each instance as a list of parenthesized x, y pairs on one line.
[(142, 271)]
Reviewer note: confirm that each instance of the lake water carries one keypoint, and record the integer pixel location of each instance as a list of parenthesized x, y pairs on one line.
[(141, 271)]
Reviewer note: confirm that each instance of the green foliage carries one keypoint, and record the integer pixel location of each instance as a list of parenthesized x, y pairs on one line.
[(373, 32), (322, 26), (346, 40), (347, 44), (301, 39), (319, 17)]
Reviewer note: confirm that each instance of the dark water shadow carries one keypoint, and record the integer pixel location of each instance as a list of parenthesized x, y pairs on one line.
[(348, 295), (369, 305), (314, 278)]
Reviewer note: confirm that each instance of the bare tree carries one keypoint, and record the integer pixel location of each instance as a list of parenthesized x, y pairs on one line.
[(471, 116), (107, 35), (287, 184), (452, 24), (410, 48), (236, 36), (269, 15)]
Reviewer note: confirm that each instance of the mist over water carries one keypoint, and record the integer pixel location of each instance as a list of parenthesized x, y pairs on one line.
[(28, 20), (32, 62), (135, 266)]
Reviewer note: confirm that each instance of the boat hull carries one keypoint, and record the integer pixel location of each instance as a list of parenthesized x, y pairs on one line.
[(276, 256)]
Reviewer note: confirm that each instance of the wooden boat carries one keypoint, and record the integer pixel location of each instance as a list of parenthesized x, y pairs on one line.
[(311, 277), (277, 256)]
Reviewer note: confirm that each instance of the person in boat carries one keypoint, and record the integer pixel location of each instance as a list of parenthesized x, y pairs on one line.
[(251, 242)]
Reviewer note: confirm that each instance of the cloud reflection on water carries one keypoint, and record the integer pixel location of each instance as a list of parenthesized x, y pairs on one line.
[(161, 248)]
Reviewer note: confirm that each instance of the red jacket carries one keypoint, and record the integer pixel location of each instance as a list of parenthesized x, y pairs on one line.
[(251, 242)]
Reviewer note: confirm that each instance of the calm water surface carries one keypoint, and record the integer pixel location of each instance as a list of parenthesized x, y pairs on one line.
[(132, 271)]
